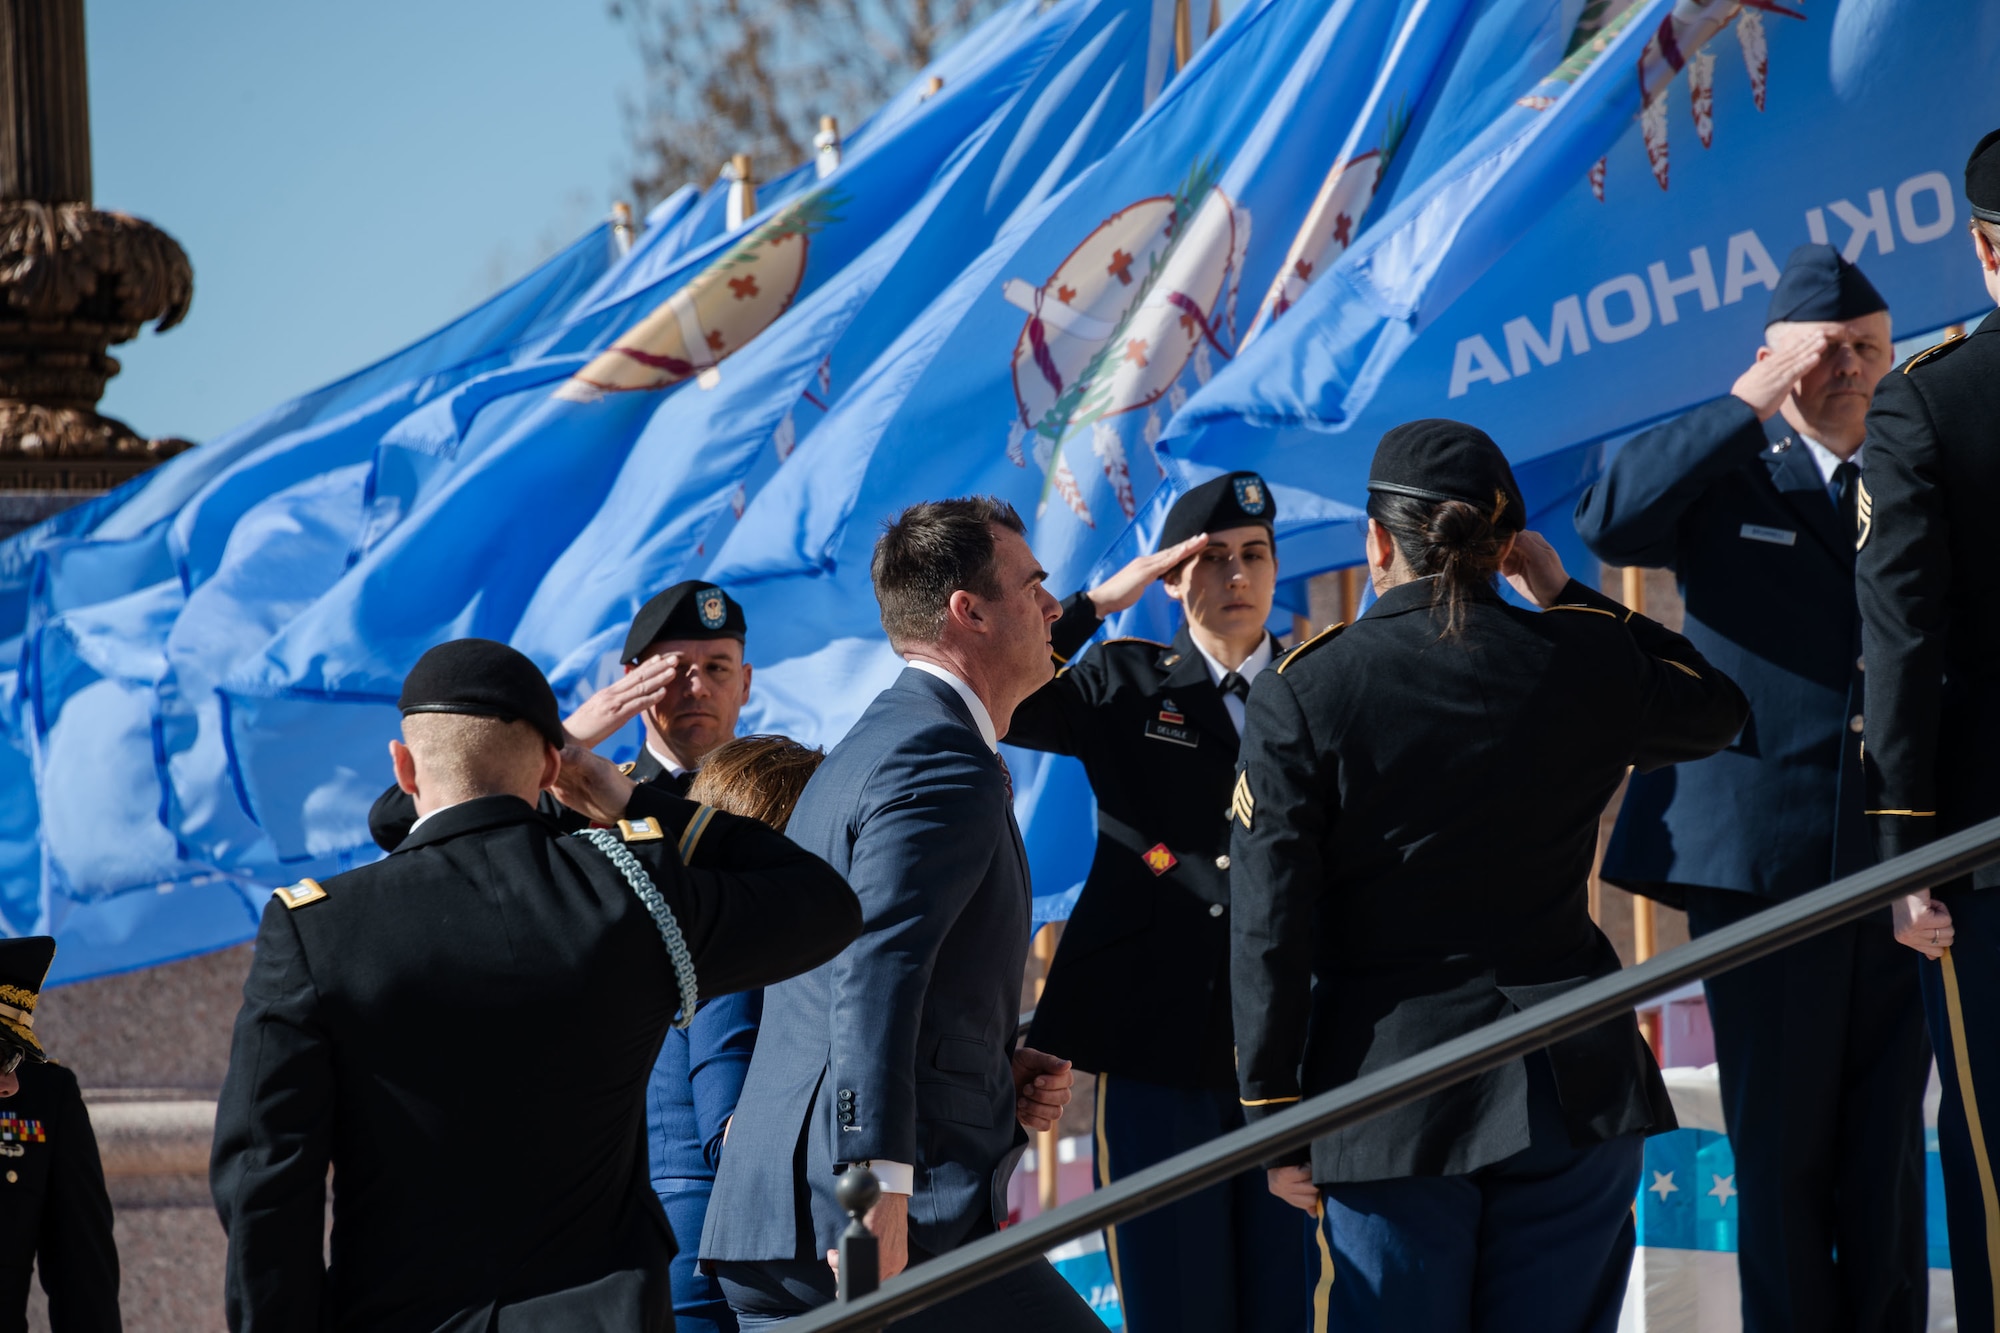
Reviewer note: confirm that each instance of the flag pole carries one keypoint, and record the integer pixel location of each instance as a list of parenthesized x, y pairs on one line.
[(826, 148), (1644, 936), (742, 204)]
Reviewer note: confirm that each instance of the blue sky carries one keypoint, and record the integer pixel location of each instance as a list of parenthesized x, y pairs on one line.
[(344, 177)]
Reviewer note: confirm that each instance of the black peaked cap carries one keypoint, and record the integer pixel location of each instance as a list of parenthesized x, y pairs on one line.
[(24, 965), (690, 610), (1818, 284), (1438, 459), (483, 678), (1232, 500), (1982, 178)]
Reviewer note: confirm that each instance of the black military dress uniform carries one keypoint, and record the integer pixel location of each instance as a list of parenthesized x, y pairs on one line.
[(54, 1212), (463, 1032), (1138, 993), (1416, 820), (1930, 607), (1821, 1046)]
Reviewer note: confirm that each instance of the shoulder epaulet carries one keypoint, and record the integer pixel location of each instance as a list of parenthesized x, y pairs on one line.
[(1300, 650), (1593, 610), (299, 894), (641, 830), (1930, 352), (1133, 638)]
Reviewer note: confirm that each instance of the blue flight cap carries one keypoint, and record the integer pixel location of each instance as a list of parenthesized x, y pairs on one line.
[(1818, 285)]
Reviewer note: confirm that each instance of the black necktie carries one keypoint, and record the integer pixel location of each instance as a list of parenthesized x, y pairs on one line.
[(1846, 495), (1235, 684)]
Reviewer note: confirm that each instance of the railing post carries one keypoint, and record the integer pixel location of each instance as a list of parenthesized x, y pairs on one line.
[(860, 1257)]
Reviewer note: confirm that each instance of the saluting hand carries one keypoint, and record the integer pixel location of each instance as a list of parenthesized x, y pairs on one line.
[(1775, 372), (1129, 584), (1534, 568), (1923, 924), (622, 700), (1042, 1087), (591, 785)]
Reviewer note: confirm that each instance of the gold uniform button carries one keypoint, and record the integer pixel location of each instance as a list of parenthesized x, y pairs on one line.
[(1222, 861), (11, 1177), (1215, 909), (1855, 724)]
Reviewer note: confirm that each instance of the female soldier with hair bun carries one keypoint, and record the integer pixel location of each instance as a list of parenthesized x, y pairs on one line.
[(1416, 812)]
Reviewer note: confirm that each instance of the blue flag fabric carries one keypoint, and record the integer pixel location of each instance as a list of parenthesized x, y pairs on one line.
[(470, 507), (1690, 153), (91, 598), (1043, 282), (702, 455)]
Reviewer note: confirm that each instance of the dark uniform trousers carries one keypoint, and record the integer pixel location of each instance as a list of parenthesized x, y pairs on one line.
[(54, 1210), (1139, 990), (1821, 1047), (1416, 820), (1929, 589)]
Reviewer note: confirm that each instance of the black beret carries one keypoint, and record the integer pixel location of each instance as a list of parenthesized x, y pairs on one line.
[(483, 678), (1436, 459), (1818, 284), (690, 610), (1982, 178), (24, 964), (1232, 500)]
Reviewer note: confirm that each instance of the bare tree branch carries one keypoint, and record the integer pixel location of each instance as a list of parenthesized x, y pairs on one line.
[(754, 76)]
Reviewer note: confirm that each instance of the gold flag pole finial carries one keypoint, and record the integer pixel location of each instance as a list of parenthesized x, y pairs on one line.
[(621, 226)]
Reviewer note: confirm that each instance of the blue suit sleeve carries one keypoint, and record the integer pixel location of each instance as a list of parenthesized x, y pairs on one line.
[(1632, 514), (720, 1041), (933, 815)]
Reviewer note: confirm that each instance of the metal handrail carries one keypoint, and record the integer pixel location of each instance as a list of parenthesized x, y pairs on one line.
[(1419, 1076)]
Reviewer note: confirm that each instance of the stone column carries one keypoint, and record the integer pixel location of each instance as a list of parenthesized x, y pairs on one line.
[(73, 279)]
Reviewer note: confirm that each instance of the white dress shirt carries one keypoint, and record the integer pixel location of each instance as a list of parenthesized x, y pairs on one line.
[(980, 717), (673, 768), (1252, 664), (1826, 460)]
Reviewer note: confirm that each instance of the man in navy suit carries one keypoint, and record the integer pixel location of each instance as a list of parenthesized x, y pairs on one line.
[(1750, 500), (900, 1052)]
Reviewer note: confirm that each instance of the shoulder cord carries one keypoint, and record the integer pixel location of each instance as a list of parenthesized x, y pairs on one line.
[(663, 916)]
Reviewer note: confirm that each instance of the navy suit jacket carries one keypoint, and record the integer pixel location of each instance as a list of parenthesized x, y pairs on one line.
[(901, 1047), (1739, 511)]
